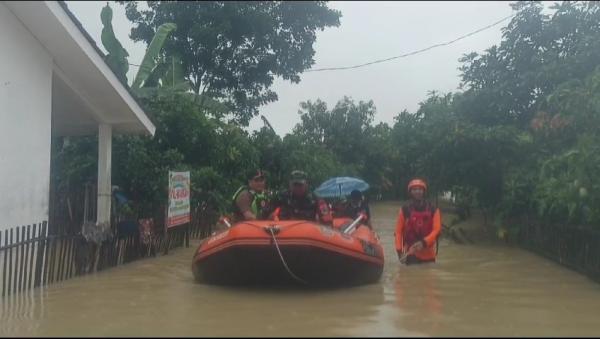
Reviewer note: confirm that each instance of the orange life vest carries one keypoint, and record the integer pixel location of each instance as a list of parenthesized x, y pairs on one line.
[(418, 225)]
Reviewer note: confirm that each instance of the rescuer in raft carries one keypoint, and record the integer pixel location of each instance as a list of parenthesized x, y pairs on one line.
[(418, 226), (357, 205), (298, 203), (250, 202)]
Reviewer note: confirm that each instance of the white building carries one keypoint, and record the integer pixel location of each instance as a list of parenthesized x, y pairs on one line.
[(53, 82)]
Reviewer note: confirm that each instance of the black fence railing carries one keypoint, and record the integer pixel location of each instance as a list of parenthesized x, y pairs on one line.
[(22, 253), (31, 256), (577, 248)]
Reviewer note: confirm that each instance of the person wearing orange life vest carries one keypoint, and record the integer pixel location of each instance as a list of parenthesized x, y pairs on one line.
[(418, 226)]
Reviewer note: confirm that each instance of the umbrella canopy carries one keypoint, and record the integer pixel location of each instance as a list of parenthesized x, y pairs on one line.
[(340, 186)]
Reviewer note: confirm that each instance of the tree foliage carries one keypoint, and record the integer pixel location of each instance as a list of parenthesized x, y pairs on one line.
[(233, 50), (519, 140)]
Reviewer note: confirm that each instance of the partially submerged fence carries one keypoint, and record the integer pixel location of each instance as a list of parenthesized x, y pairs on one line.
[(31, 256), (21, 254), (577, 248)]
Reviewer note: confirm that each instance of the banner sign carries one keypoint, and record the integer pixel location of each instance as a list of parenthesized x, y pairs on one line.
[(179, 198)]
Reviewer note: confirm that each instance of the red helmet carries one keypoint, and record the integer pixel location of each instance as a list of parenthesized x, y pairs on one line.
[(417, 183)]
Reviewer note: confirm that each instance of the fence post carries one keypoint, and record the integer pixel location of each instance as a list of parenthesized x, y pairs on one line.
[(5, 261), (22, 259), (26, 267), (41, 251), (10, 260)]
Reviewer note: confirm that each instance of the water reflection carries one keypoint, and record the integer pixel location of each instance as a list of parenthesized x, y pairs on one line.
[(20, 312), (423, 300), (150, 299)]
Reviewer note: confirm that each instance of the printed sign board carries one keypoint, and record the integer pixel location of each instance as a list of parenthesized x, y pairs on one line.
[(179, 199)]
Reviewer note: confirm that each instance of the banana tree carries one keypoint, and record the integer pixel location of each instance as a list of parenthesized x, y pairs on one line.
[(158, 74), (153, 65), (155, 71)]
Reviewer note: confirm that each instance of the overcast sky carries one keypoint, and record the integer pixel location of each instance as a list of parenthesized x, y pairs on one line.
[(368, 31)]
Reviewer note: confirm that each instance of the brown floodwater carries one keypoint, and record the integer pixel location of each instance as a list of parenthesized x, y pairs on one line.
[(473, 290)]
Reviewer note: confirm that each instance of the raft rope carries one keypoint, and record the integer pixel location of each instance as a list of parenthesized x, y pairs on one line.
[(283, 260), (280, 227)]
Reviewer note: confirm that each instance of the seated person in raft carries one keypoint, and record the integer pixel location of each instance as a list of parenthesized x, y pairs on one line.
[(298, 203), (355, 206), (250, 202)]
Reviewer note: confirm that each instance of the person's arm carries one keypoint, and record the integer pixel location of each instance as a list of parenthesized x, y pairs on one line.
[(243, 203), (323, 212), (399, 241), (275, 203), (368, 214), (437, 227)]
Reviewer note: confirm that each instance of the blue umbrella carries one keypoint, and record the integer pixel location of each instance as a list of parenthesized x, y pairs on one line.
[(340, 186)]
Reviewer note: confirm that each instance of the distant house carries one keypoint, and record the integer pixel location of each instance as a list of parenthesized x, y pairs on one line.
[(53, 82)]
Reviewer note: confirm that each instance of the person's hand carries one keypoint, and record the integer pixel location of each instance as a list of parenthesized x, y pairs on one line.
[(415, 247), (403, 258), (273, 217), (275, 214)]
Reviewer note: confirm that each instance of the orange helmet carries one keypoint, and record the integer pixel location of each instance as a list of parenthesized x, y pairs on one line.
[(417, 183)]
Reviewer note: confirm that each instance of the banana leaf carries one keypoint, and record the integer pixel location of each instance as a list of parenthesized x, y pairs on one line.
[(152, 53)]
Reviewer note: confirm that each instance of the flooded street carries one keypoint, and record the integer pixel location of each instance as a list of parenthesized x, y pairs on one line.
[(473, 290)]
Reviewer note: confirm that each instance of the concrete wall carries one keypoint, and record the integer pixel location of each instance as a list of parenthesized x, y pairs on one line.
[(25, 122)]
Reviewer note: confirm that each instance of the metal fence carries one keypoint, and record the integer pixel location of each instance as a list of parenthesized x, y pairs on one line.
[(577, 248)]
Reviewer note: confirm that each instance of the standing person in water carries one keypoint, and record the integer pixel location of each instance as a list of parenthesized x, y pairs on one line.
[(418, 226)]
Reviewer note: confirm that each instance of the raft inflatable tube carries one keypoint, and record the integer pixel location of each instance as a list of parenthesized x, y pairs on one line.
[(290, 252)]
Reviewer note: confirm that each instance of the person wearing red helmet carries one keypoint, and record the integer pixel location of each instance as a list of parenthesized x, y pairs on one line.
[(417, 227)]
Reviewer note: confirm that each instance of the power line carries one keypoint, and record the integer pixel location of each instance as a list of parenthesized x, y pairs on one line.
[(403, 55), (415, 52)]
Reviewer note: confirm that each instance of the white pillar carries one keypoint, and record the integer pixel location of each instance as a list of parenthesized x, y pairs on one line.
[(104, 170)]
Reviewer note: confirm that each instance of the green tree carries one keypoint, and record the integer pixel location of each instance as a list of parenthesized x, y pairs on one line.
[(343, 130), (232, 51), (216, 154), (537, 53), (154, 70), (533, 96), (269, 146)]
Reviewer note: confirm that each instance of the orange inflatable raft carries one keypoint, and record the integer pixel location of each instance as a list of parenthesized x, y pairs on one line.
[(291, 251)]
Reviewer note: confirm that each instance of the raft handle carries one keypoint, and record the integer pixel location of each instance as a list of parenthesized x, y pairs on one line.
[(225, 221), (354, 224)]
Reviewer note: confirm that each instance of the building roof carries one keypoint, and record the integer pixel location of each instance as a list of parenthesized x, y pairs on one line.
[(87, 36), (87, 90)]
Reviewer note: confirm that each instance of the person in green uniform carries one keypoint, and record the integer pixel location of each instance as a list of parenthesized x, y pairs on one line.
[(249, 201)]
